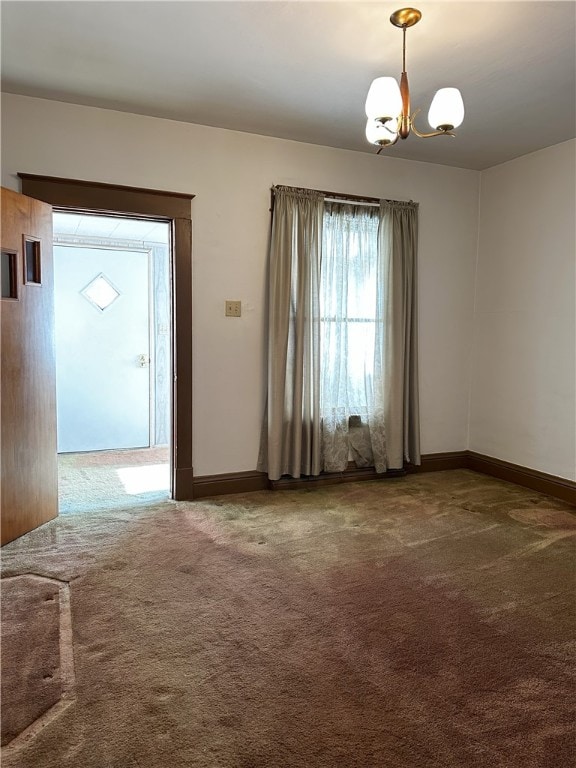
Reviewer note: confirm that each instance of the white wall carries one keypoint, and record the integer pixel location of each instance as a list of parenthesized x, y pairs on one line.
[(231, 174), (523, 393)]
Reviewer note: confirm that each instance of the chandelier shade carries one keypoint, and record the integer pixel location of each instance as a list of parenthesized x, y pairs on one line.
[(381, 134), (447, 109), (388, 103), (384, 100)]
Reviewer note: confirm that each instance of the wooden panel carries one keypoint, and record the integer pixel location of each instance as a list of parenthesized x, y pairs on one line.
[(28, 411), (183, 478), (95, 196)]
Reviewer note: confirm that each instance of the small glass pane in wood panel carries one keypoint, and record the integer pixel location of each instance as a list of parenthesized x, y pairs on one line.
[(9, 283), (32, 261)]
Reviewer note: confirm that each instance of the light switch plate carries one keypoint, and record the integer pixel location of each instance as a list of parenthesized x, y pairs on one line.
[(233, 308)]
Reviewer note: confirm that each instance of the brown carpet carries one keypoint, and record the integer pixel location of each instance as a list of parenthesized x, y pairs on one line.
[(120, 458), (31, 680), (425, 621)]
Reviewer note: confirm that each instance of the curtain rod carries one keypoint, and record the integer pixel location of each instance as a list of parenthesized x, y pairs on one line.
[(340, 197), (353, 201)]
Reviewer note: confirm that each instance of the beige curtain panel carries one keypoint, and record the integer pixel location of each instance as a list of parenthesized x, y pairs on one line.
[(398, 243), (315, 422), (291, 439)]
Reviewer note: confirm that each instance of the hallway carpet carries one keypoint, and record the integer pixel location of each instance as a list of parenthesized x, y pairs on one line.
[(422, 622), (100, 480)]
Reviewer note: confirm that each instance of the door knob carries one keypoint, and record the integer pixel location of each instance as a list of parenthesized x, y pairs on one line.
[(144, 361)]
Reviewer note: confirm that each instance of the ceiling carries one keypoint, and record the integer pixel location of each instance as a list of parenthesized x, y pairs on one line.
[(77, 226), (301, 70)]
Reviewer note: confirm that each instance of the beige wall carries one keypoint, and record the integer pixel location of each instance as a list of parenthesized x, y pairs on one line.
[(523, 393), (231, 174)]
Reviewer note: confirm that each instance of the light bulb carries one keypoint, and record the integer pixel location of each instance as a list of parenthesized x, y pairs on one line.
[(447, 109)]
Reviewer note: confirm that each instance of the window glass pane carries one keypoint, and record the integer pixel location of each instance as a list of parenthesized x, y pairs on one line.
[(32, 261), (8, 275), (100, 292), (349, 298)]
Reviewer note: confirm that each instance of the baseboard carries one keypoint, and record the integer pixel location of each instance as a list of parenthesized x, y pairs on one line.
[(551, 485), (438, 462), (183, 483), (234, 482), (350, 475), (245, 482)]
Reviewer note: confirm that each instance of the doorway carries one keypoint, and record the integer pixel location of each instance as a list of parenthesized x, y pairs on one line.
[(113, 330), (175, 207)]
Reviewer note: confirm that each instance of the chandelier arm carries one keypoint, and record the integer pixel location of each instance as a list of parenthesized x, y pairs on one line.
[(385, 146), (426, 135), (429, 135)]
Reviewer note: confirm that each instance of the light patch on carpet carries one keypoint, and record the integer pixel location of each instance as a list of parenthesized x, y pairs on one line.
[(136, 480)]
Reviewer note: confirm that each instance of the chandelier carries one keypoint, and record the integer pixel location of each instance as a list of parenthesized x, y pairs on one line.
[(388, 105)]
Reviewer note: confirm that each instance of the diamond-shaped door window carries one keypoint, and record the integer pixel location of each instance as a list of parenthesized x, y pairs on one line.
[(101, 292)]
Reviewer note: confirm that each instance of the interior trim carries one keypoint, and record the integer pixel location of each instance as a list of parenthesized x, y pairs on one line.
[(350, 475), (438, 462), (551, 485), (233, 482), (245, 482), (94, 189), (96, 197)]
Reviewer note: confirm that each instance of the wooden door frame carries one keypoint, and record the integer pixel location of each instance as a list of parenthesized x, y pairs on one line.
[(95, 197)]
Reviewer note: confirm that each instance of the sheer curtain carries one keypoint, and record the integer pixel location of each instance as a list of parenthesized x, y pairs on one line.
[(352, 298), (342, 349)]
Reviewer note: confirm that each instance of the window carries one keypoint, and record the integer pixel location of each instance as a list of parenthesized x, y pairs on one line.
[(32, 260), (342, 378), (351, 302), (348, 308), (9, 279)]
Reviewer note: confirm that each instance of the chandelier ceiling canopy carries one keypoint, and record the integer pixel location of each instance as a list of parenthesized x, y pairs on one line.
[(388, 104)]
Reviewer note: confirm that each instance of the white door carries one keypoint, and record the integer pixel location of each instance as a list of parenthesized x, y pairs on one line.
[(102, 348)]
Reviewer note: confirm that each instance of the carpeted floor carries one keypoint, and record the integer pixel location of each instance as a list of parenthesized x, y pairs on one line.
[(423, 622), (100, 480)]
